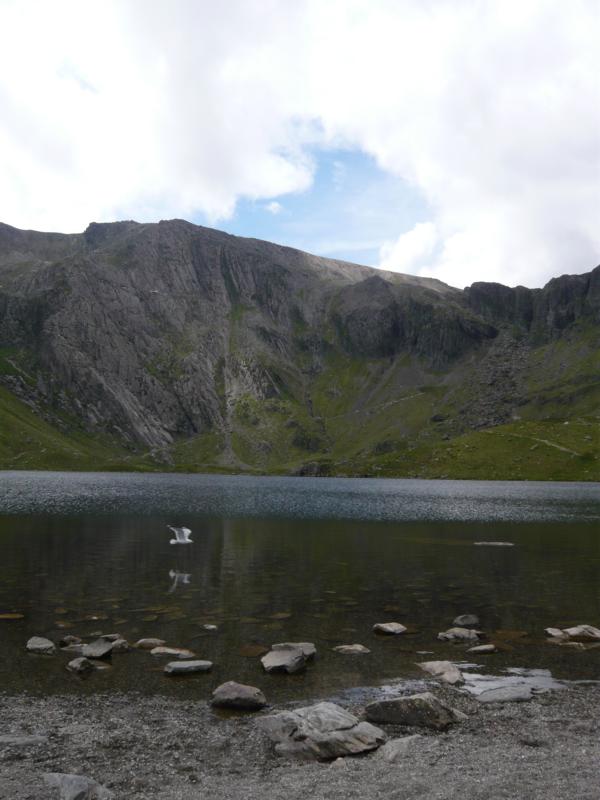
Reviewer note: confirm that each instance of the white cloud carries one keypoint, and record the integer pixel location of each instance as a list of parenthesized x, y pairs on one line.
[(274, 207), (124, 108), (410, 250)]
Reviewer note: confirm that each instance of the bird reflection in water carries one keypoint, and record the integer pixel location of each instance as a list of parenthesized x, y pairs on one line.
[(178, 579)]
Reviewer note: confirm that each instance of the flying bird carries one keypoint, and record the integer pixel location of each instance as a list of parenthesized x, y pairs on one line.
[(182, 535)]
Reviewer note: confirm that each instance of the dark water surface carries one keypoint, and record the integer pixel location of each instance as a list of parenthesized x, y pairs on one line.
[(284, 559)]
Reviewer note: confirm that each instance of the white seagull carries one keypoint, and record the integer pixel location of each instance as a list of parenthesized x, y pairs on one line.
[(182, 535)]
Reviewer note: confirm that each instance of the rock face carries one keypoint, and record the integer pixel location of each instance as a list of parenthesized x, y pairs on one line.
[(389, 628), (289, 659), (40, 645), (418, 711), (76, 787), (198, 332), (238, 695), (322, 731), (445, 671)]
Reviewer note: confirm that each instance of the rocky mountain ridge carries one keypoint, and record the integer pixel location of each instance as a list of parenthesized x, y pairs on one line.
[(169, 339)]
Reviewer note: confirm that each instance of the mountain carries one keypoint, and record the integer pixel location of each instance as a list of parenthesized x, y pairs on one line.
[(173, 346)]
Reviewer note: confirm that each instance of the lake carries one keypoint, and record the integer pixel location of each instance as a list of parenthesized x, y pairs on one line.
[(291, 559)]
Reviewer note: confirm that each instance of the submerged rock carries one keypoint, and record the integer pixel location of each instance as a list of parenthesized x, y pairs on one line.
[(238, 695), (459, 635), (101, 648), (307, 648), (445, 671), (41, 645), (187, 667), (76, 787), (417, 710), (149, 644), (288, 660), (389, 628), (464, 620), (81, 666), (321, 731), (351, 649)]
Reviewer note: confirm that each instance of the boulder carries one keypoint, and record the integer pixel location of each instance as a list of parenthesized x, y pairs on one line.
[(38, 644), (149, 644), (307, 648), (351, 649), (396, 750), (417, 710), (289, 660), (444, 671), (483, 649), (178, 652), (459, 635), (321, 731), (389, 628), (238, 695), (101, 648), (81, 666), (76, 787), (187, 667), (464, 620)]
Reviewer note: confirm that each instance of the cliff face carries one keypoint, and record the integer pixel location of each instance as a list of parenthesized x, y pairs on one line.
[(157, 334)]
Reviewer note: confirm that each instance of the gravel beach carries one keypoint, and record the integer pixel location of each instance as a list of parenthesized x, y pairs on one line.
[(159, 748)]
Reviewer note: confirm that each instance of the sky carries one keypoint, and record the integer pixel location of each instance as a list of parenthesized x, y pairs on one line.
[(457, 139)]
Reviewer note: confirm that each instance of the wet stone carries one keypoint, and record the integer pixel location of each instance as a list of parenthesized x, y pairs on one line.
[(444, 671), (352, 649), (238, 695), (80, 666), (289, 660), (389, 628), (465, 620), (149, 644), (41, 645), (459, 635), (307, 648), (101, 648), (187, 667)]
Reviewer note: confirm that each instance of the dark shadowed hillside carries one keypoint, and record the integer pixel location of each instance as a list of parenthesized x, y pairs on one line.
[(175, 346)]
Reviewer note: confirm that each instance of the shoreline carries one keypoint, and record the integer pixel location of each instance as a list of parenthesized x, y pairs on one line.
[(153, 747)]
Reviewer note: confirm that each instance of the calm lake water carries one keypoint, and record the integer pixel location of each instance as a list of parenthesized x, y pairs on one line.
[(284, 559)]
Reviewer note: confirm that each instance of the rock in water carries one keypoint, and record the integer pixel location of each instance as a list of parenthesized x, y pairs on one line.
[(81, 666), (583, 632), (120, 645), (322, 731), (445, 671), (187, 667), (149, 644), (418, 711), (38, 644), (352, 649), (494, 544), (238, 695), (76, 787), (464, 620), (289, 660), (307, 648), (483, 649), (389, 628), (178, 652), (101, 648), (555, 633), (459, 635)]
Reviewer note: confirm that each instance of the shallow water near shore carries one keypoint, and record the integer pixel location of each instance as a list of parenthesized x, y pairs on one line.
[(282, 559)]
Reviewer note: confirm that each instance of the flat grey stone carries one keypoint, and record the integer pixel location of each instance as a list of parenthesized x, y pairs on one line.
[(389, 628), (445, 671), (76, 787), (41, 645), (417, 710), (321, 731), (238, 695), (187, 667), (352, 649), (307, 648), (285, 660), (101, 648), (506, 694), (149, 644)]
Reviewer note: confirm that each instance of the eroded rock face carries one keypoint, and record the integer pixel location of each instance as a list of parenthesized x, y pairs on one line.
[(238, 695), (418, 711), (321, 731)]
